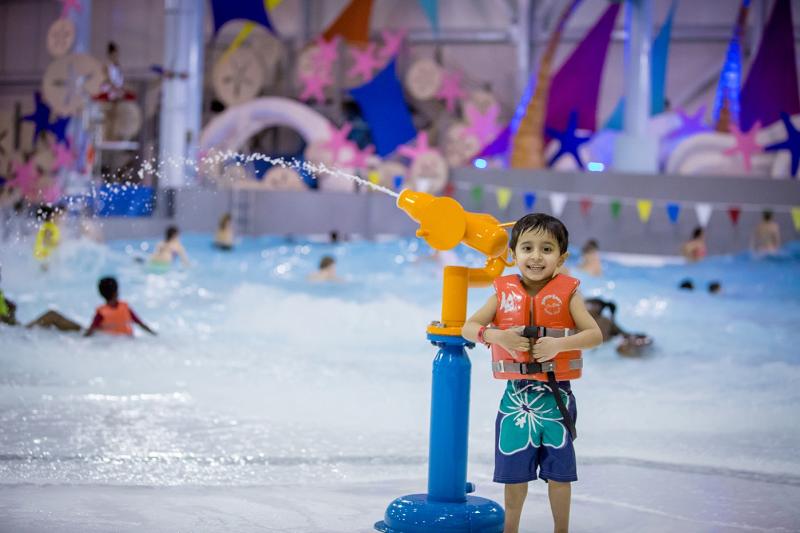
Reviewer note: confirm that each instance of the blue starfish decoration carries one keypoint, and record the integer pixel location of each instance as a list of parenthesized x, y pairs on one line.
[(568, 140), (40, 117), (792, 143), (59, 129)]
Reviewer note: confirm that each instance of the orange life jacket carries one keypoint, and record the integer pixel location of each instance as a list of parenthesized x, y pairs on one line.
[(116, 320), (549, 309)]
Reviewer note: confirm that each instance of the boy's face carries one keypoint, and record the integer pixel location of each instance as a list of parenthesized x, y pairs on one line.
[(537, 255)]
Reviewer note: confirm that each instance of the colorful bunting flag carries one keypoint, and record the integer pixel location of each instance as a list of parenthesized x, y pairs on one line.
[(616, 207), (398, 182), (733, 213), (557, 202), (586, 206), (431, 9), (503, 197), (477, 194), (352, 23), (644, 207), (530, 200), (374, 177), (796, 218), (703, 212), (449, 189), (673, 212)]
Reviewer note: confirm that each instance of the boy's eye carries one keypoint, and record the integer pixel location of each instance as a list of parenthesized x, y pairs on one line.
[(547, 249)]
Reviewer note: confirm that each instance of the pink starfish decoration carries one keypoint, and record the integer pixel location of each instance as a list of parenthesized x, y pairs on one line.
[(67, 5), (338, 139), (745, 144), (392, 41), (63, 157), (450, 91), (482, 125), (414, 152), (327, 52), (365, 64), (360, 158), (26, 175), (314, 85)]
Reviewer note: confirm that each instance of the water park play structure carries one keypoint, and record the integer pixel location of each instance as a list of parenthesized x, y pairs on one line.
[(447, 506)]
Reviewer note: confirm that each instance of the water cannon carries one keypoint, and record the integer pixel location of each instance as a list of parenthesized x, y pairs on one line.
[(443, 224)]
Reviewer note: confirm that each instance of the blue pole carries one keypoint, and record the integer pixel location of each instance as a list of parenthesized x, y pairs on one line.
[(447, 463), (446, 506)]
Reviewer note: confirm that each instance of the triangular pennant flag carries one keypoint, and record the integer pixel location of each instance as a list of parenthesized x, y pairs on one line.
[(586, 206), (673, 212), (352, 23), (645, 207), (557, 202), (449, 189), (503, 197), (398, 182), (431, 9), (703, 212), (733, 213), (374, 177), (616, 207), (796, 218), (530, 200), (477, 194)]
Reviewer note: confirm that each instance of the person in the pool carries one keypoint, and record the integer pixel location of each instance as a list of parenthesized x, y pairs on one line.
[(114, 317), (48, 237), (50, 319), (767, 235), (631, 344), (168, 250), (326, 271), (223, 239), (590, 259), (695, 248)]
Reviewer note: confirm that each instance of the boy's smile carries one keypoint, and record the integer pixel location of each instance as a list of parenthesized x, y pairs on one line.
[(537, 256)]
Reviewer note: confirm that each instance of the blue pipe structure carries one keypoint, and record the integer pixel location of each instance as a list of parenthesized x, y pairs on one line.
[(447, 506)]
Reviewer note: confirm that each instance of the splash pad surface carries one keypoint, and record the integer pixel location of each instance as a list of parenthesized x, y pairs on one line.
[(263, 389)]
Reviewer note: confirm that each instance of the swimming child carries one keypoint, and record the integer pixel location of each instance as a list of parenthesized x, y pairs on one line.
[(695, 248), (168, 250), (767, 235), (50, 319), (326, 271), (47, 238), (115, 317), (528, 442), (590, 259), (223, 239), (631, 344)]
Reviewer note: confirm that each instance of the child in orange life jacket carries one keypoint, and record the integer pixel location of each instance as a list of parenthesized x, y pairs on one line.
[(115, 317), (532, 436)]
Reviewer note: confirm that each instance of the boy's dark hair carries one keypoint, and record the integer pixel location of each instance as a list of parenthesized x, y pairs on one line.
[(171, 232), (697, 232), (714, 287), (766, 214), (111, 47), (590, 246), (687, 285), (108, 288), (326, 261), (541, 222)]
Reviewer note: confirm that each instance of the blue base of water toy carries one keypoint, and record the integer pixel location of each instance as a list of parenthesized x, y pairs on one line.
[(415, 513)]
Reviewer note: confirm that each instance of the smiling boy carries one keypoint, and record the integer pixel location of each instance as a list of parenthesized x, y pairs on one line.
[(535, 428)]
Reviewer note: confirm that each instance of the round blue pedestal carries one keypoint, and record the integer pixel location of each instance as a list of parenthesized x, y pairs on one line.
[(416, 513)]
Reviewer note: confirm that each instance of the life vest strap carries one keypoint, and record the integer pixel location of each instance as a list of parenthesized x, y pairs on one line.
[(533, 368), (537, 332)]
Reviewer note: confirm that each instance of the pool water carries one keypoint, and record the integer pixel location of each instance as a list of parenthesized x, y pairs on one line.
[(258, 377)]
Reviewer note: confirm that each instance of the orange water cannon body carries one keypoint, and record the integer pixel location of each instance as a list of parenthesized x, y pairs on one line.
[(444, 224)]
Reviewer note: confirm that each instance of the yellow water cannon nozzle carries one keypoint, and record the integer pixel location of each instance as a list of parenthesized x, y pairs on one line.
[(444, 223)]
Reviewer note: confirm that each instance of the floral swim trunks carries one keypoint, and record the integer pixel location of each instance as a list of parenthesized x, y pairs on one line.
[(530, 435)]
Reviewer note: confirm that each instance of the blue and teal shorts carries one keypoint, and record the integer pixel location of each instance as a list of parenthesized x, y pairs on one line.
[(531, 440)]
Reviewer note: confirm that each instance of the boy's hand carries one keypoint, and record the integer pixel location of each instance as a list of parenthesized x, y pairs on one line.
[(512, 340), (545, 348)]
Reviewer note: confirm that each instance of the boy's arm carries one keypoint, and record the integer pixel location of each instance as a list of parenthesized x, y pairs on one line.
[(142, 325), (95, 324), (511, 339), (588, 336), (182, 253)]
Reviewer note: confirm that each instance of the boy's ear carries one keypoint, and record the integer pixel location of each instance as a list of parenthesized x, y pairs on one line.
[(563, 258)]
